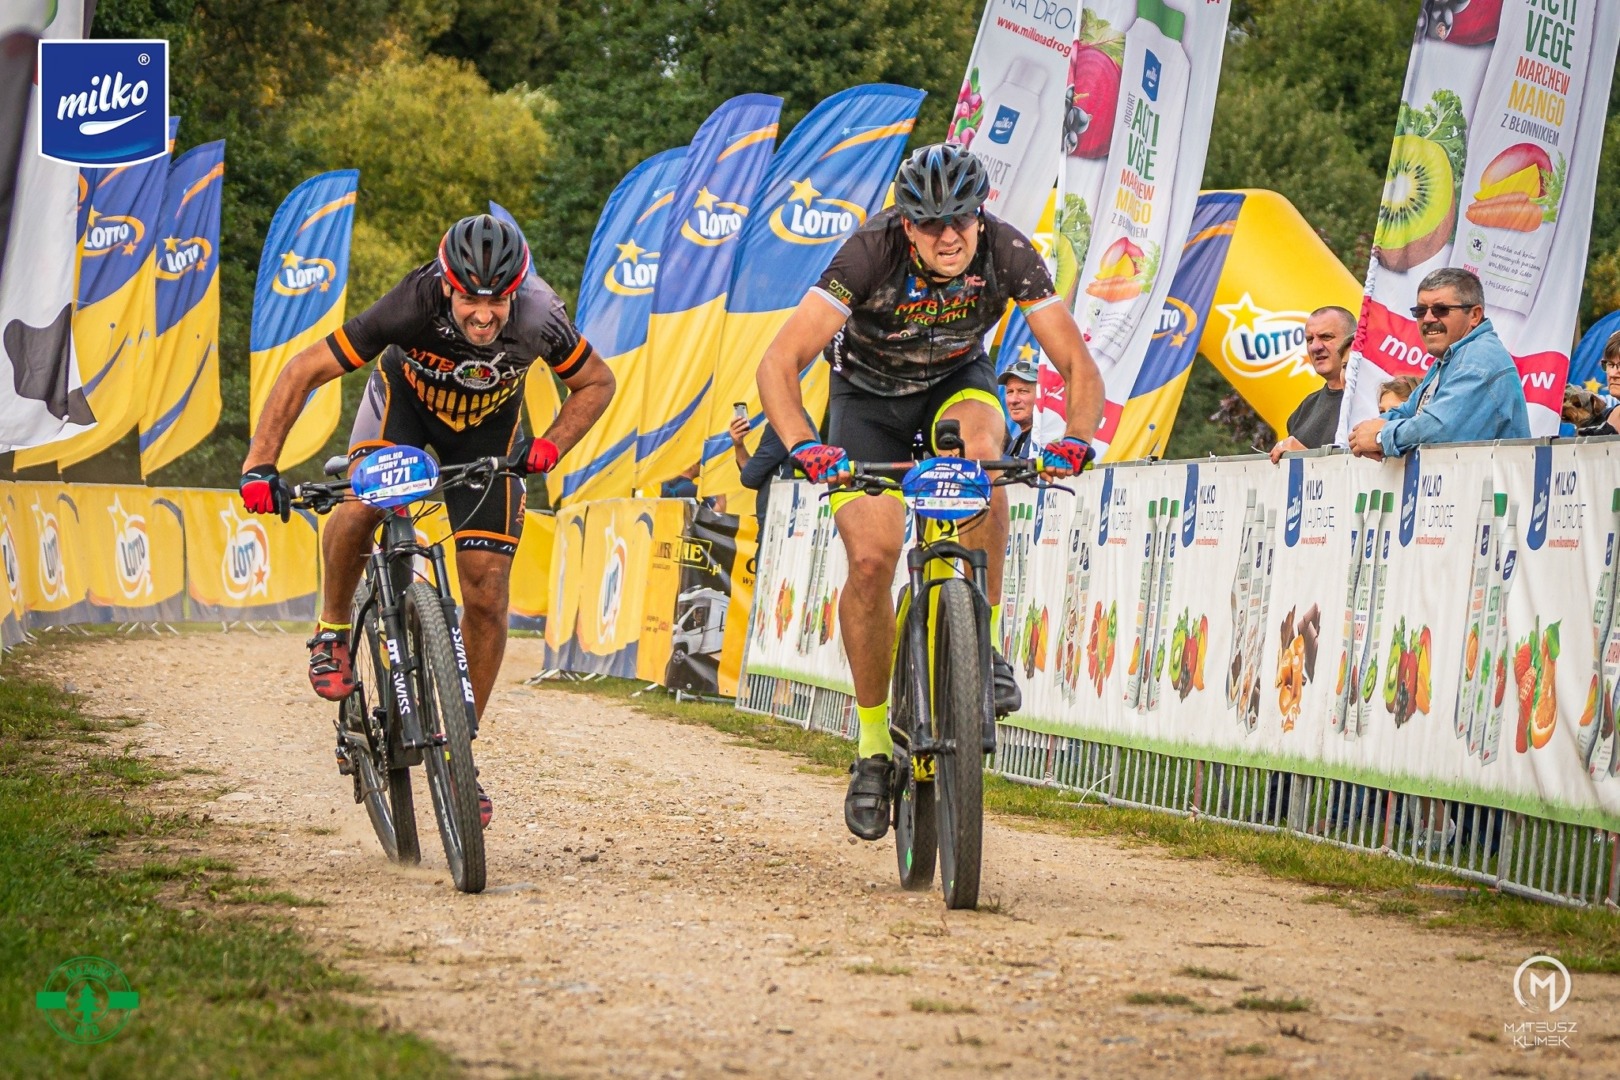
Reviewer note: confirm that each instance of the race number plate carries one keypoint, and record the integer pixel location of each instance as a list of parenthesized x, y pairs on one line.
[(395, 476), (946, 488)]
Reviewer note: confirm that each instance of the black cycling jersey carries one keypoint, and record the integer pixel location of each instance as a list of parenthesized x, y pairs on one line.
[(462, 383), (906, 332)]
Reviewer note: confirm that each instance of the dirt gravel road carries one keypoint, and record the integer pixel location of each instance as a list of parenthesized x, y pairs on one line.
[(663, 902)]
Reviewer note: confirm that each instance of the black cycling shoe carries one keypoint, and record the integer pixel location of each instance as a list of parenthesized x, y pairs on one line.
[(866, 806), (1008, 698)]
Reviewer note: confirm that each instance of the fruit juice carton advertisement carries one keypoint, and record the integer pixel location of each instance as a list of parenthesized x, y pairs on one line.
[(1131, 228), (1076, 587), (1347, 640), (820, 543), (1159, 636), (1144, 590), (1240, 599), (1366, 562), (1489, 700), (1479, 573), (1377, 601), (1523, 125), (1255, 630)]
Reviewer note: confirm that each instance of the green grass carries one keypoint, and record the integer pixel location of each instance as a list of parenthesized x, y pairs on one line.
[(1195, 972), (1155, 998), (878, 969), (1585, 940), (1251, 1049), (227, 987), (934, 1005), (1272, 1005)]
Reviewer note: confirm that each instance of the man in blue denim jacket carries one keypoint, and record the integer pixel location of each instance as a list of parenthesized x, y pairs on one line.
[(1472, 391)]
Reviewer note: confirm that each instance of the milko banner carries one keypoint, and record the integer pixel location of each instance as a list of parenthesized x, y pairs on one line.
[(1493, 169), (1446, 625), (1011, 106)]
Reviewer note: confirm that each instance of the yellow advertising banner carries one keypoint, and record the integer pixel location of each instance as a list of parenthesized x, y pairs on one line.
[(662, 585), (531, 583), (567, 569), (11, 604), (247, 566), (133, 551), (46, 519), (618, 546), (742, 599)]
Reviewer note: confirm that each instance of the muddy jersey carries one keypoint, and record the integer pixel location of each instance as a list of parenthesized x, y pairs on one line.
[(905, 331), (461, 383)]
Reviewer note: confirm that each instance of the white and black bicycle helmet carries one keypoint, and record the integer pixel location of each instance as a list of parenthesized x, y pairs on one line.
[(484, 256), (940, 182)]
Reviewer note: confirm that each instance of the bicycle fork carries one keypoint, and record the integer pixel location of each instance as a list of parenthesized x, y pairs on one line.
[(398, 533), (924, 744)]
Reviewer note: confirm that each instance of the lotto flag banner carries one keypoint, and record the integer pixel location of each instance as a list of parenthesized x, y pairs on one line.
[(723, 169), (247, 566), (41, 396), (1493, 169), (829, 176), (299, 298), (184, 404), (49, 539), (540, 398), (133, 553), (615, 299), (115, 323), (1011, 108), (615, 542), (564, 578), (531, 590)]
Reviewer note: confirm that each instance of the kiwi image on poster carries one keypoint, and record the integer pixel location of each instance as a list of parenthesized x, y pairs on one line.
[(708, 555), (1417, 215)]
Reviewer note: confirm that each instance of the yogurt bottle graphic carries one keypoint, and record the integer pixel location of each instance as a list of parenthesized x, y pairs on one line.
[(1134, 219), (1012, 111)]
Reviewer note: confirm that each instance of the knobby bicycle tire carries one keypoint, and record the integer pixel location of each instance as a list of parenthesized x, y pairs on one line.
[(446, 712), (916, 839), (959, 677), (384, 786)]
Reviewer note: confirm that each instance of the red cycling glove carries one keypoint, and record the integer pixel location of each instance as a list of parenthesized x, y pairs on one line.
[(822, 464), (265, 492), (540, 456), (1067, 455)]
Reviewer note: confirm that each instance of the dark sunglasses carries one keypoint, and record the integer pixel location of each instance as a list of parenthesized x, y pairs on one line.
[(1440, 310), (1612, 365), (961, 223)]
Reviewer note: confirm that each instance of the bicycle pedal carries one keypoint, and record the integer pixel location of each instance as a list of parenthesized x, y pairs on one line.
[(439, 739), (345, 766)]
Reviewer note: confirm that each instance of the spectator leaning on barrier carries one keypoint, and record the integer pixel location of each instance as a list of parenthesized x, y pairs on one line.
[(1328, 332), (1019, 383), (1609, 422), (1471, 392)]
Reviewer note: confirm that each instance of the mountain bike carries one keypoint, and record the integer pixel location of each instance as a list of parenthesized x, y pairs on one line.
[(941, 695), (413, 702)]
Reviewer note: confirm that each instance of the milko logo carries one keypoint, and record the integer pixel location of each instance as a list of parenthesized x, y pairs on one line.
[(52, 576), (808, 217), (132, 551), (107, 233), (1189, 508), (1002, 127), (103, 103), (177, 256), (245, 567), (1541, 498), (1151, 70), (298, 275), (712, 221), (1296, 502), (1259, 343), (634, 272)]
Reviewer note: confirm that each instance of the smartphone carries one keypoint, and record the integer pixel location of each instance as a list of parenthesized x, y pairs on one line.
[(739, 409)]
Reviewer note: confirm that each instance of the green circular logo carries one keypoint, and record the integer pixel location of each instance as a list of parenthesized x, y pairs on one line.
[(87, 1000)]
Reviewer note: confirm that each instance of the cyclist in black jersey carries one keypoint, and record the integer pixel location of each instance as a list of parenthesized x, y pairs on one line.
[(456, 339), (901, 313)]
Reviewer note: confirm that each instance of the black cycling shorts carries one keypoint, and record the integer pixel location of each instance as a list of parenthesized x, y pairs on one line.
[(489, 519), (872, 428)]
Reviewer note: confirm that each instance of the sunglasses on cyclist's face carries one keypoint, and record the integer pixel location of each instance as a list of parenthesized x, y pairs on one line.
[(933, 229), (1440, 311)]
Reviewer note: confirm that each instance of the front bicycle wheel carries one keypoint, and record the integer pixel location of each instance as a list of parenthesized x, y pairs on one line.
[(381, 785), (447, 719), (916, 840), (959, 703)]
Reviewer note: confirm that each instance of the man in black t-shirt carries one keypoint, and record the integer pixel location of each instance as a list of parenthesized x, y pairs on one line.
[(456, 338), (1328, 332), (901, 313)]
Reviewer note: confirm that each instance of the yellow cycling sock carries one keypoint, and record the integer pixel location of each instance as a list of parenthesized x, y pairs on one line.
[(995, 626), (322, 624), (875, 738)]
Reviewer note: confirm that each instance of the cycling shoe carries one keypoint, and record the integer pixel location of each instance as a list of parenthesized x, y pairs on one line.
[(1008, 698), (486, 808), (866, 806), (331, 668)]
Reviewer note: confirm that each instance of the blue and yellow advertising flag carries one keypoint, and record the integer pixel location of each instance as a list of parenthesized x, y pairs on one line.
[(540, 399), (114, 322), (830, 174), (615, 299), (1149, 414), (725, 164), (184, 403), (299, 299)]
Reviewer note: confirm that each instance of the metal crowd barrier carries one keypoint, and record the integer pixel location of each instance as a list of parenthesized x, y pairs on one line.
[(1550, 861)]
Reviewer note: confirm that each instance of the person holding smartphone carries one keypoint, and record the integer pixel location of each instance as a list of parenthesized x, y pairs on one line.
[(769, 460)]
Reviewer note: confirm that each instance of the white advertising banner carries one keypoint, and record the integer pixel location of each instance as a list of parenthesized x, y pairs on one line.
[(1445, 624), (1493, 169)]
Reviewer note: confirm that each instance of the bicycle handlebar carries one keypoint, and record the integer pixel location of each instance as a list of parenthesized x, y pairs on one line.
[(895, 470), (322, 497)]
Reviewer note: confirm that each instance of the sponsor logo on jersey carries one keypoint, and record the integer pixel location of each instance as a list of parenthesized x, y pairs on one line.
[(477, 374), (132, 551), (298, 275), (808, 217), (713, 221), (177, 256), (634, 272), (106, 233), (1260, 343), (245, 570)]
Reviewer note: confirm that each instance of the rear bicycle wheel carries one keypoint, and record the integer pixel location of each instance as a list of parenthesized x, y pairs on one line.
[(383, 787), (916, 839), (959, 698), (447, 718)]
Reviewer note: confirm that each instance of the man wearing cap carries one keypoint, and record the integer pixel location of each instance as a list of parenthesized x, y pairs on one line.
[(1018, 385)]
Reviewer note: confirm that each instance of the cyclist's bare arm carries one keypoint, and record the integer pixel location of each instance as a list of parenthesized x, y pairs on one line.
[(795, 347), (589, 391), (1060, 338), (311, 368)]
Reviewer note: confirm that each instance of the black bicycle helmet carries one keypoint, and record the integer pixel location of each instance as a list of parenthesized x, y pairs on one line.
[(940, 182), (484, 256)]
